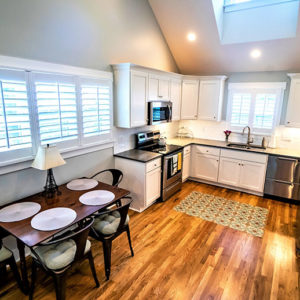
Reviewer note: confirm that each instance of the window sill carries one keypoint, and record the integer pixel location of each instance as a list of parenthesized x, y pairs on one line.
[(25, 163)]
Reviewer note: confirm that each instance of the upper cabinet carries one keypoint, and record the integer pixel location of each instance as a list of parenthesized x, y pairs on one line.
[(189, 99), (211, 96), (159, 87), (175, 97), (292, 115), (130, 96)]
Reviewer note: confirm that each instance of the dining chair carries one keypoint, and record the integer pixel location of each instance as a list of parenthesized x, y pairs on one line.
[(108, 226), (7, 259), (117, 176), (56, 256)]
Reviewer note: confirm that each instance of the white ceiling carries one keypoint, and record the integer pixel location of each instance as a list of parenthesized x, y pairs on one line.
[(206, 55)]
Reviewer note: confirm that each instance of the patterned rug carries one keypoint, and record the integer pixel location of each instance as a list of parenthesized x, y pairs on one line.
[(236, 215)]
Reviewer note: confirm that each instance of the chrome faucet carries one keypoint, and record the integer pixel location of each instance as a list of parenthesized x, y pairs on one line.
[(249, 139)]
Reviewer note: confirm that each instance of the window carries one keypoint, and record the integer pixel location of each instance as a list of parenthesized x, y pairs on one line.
[(257, 105), (231, 2), (71, 111)]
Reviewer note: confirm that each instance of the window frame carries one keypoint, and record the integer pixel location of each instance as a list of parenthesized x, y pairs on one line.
[(10, 162), (255, 88)]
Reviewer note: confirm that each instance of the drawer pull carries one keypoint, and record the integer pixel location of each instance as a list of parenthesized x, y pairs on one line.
[(284, 182)]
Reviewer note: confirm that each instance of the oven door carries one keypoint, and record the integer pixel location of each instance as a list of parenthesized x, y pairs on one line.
[(169, 176), (159, 112)]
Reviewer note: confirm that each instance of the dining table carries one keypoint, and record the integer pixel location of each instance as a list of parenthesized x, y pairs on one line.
[(26, 235)]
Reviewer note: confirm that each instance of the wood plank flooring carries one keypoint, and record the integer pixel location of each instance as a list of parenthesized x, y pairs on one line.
[(182, 257)]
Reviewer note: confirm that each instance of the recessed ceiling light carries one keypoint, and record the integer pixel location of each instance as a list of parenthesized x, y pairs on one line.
[(191, 36), (256, 53)]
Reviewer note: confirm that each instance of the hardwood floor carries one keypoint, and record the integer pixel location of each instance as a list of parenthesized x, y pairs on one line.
[(182, 257)]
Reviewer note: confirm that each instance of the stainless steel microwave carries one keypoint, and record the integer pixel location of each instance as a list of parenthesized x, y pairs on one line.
[(159, 112)]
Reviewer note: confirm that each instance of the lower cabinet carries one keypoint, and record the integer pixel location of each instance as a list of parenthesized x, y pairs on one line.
[(152, 186), (205, 167), (229, 171), (143, 180), (186, 163)]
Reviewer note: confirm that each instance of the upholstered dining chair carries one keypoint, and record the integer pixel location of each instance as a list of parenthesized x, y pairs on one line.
[(117, 175), (7, 258), (56, 256), (108, 226)]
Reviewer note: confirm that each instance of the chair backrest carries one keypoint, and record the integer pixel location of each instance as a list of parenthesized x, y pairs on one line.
[(79, 236), (122, 208), (117, 176)]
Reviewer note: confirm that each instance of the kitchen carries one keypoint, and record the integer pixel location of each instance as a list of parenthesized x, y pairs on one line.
[(167, 111)]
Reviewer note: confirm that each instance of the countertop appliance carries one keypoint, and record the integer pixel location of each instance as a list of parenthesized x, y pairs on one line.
[(159, 112), (171, 181), (283, 177)]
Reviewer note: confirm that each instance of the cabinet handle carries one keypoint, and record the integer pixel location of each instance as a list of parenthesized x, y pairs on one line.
[(217, 160), (288, 122)]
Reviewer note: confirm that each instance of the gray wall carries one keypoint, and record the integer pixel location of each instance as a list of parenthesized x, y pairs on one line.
[(258, 77), (84, 33)]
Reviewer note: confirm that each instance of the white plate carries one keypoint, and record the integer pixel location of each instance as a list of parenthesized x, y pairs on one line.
[(53, 218), (82, 184), (19, 211), (98, 197)]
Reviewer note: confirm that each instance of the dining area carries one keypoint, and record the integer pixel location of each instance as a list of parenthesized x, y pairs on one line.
[(58, 224)]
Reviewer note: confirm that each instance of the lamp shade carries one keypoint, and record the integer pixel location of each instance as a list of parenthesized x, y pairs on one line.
[(47, 157)]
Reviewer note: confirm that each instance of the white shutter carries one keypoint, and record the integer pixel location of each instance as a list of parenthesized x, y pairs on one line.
[(96, 101), (57, 109), (240, 109), (15, 128)]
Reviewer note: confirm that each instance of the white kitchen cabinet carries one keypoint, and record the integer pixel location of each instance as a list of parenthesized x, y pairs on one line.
[(175, 98), (143, 180), (153, 186), (211, 94), (293, 108), (252, 176), (229, 171), (130, 99), (189, 99), (159, 87), (186, 163), (243, 170), (205, 167)]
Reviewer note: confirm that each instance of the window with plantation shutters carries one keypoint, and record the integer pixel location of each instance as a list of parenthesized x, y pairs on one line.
[(56, 108), (257, 105), (14, 115), (96, 117)]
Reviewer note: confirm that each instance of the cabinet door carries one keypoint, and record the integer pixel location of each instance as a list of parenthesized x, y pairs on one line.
[(210, 104), (229, 171), (176, 99), (292, 115), (153, 88), (138, 99), (252, 176), (153, 183), (164, 88), (205, 167), (189, 100), (186, 166)]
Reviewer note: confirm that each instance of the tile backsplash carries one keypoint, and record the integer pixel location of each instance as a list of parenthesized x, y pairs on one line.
[(285, 137)]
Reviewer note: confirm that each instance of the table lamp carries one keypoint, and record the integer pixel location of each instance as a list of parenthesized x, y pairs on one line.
[(47, 158)]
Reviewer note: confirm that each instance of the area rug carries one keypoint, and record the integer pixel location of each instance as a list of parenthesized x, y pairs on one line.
[(236, 215)]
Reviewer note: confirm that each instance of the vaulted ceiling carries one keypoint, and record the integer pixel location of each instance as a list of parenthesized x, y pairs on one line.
[(206, 55)]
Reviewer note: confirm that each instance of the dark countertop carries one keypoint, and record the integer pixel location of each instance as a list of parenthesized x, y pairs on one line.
[(222, 144), (138, 155)]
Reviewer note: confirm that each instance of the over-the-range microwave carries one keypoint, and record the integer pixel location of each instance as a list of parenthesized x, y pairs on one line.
[(159, 112)]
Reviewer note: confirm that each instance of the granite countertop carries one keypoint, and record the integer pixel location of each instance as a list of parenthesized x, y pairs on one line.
[(222, 144), (138, 155)]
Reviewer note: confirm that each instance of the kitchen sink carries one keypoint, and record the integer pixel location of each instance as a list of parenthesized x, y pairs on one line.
[(244, 146)]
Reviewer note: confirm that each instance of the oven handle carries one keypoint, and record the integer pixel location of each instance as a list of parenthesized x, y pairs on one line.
[(170, 113)]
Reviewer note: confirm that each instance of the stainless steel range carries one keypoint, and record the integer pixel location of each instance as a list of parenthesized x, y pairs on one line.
[(171, 161)]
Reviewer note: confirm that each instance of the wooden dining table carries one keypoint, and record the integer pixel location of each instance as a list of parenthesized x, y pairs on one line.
[(26, 235)]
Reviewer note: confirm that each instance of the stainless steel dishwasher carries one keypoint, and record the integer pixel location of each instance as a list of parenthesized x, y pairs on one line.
[(283, 177)]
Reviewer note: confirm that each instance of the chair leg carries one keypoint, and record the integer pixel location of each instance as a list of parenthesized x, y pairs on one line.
[(107, 256), (129, 240), (60, 286), (33, 277), (92, 265)]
